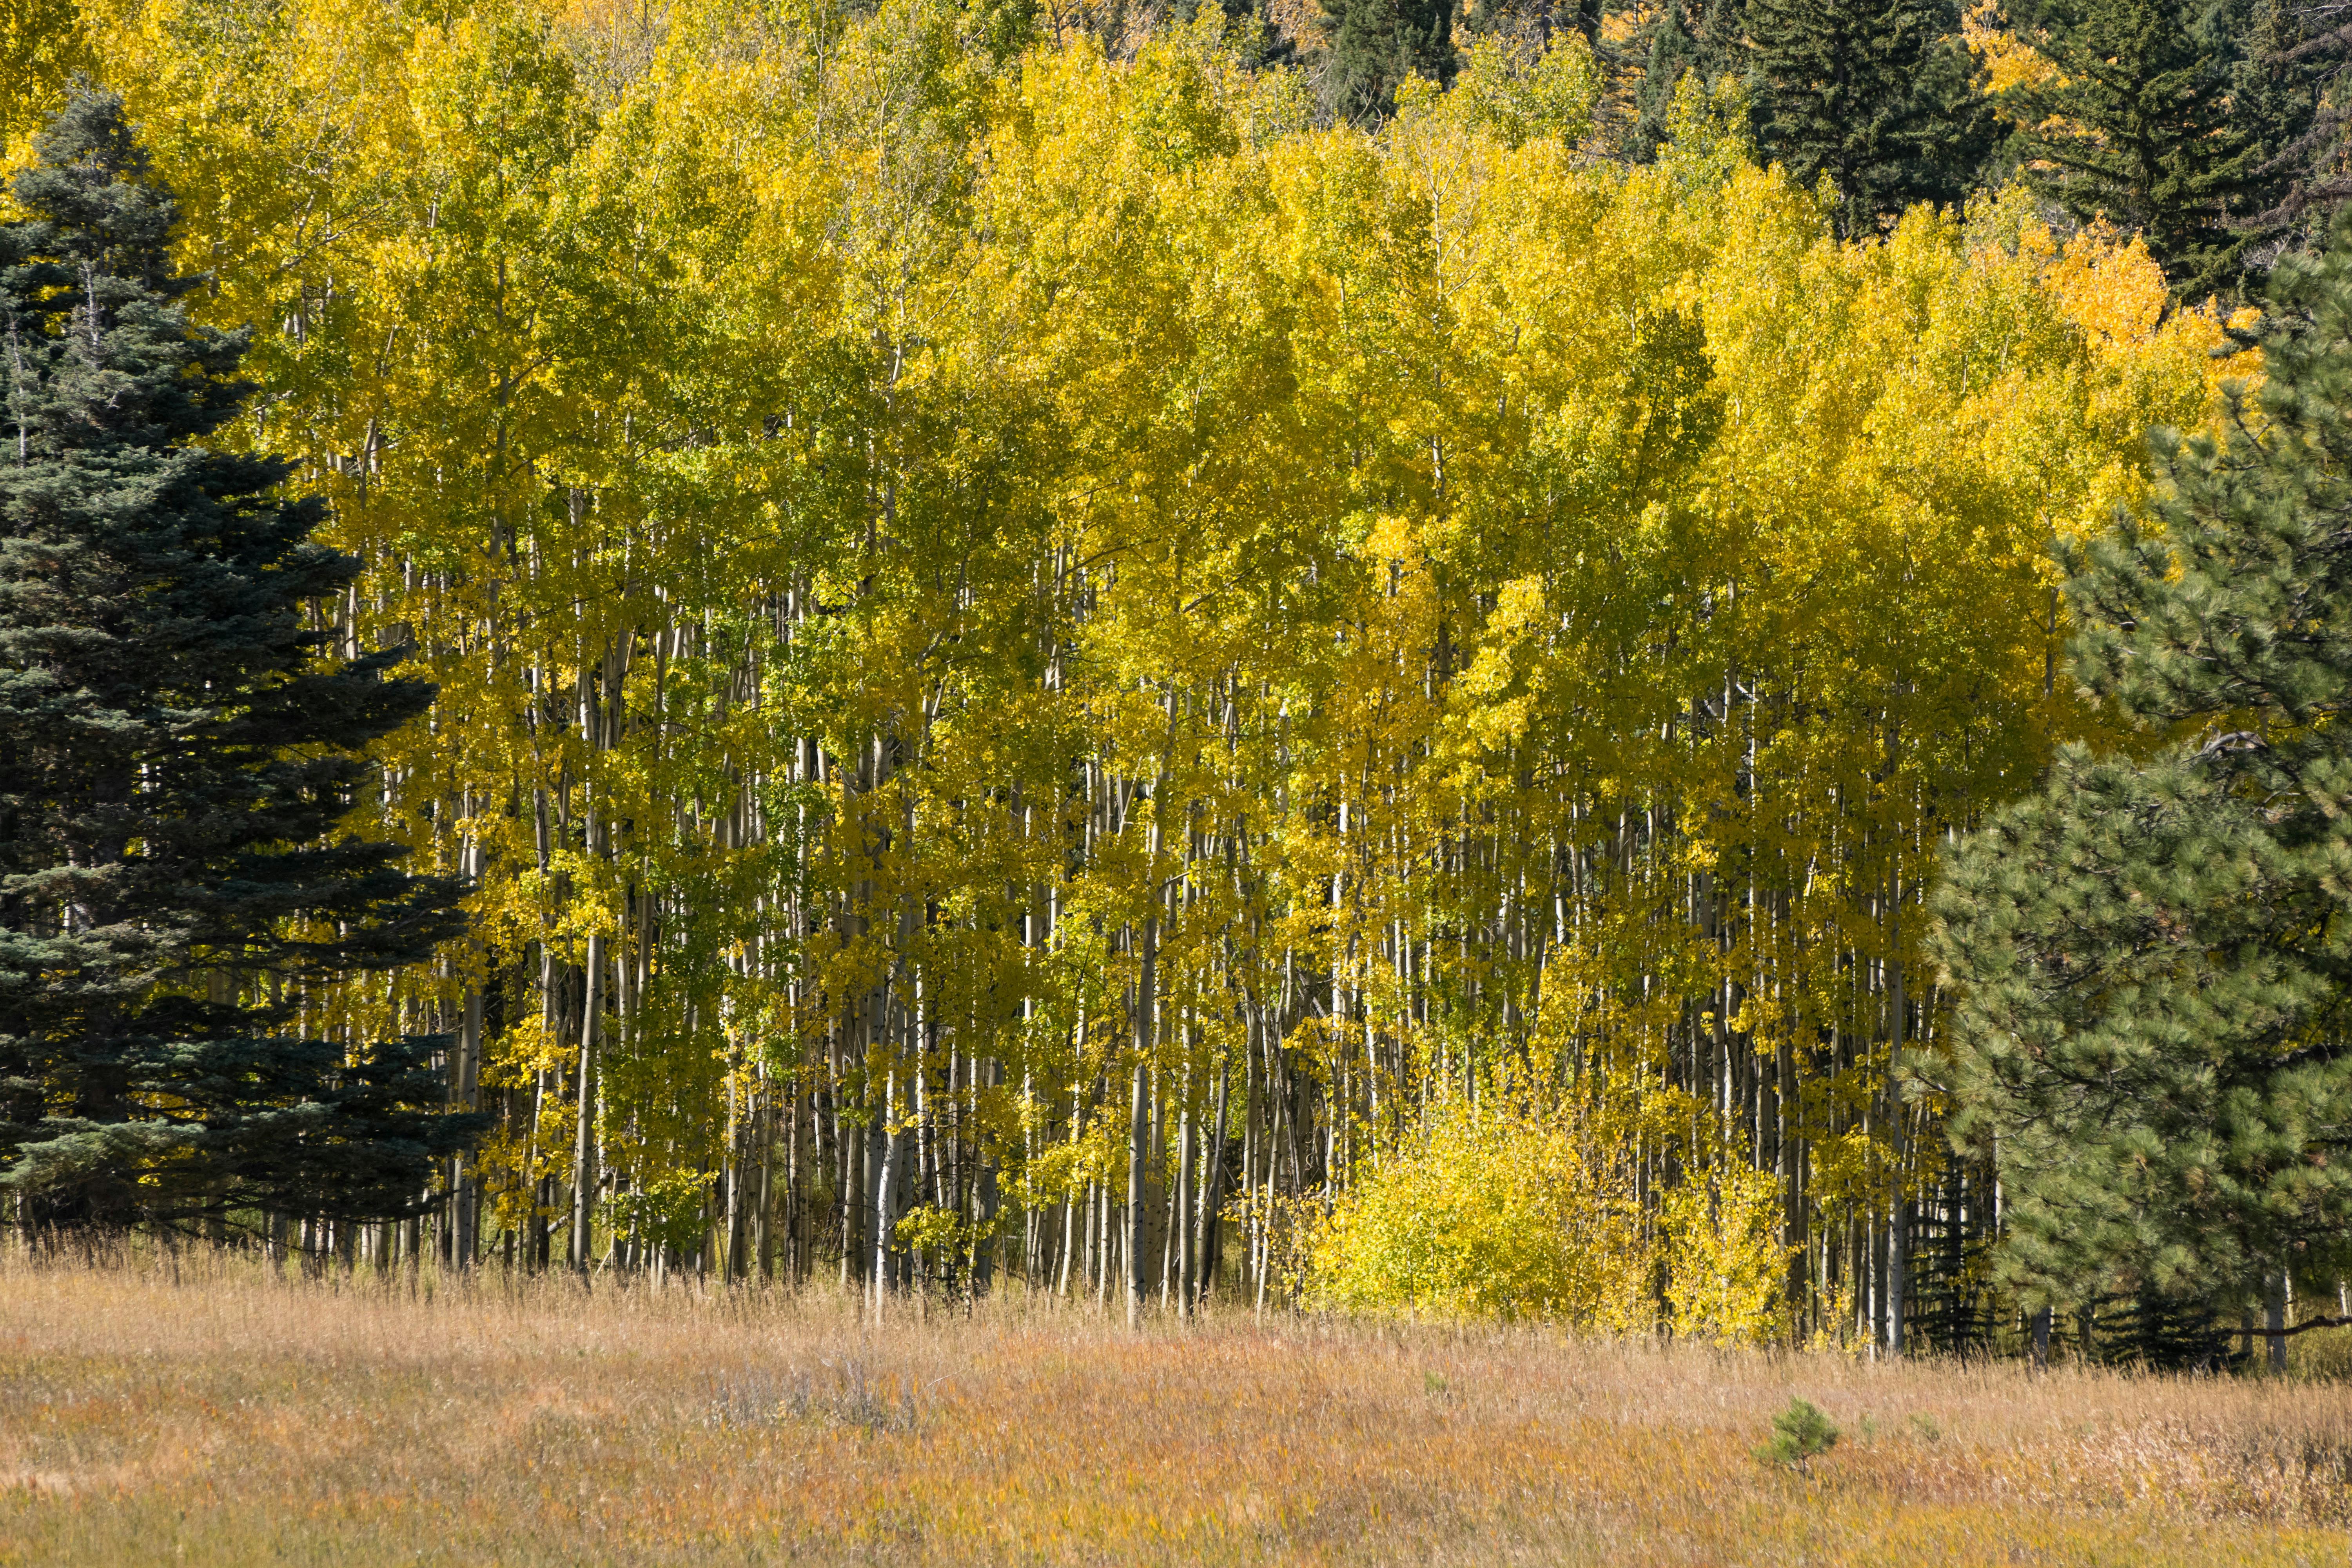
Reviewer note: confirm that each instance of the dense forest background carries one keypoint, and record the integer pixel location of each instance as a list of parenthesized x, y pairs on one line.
[(1262, 653)]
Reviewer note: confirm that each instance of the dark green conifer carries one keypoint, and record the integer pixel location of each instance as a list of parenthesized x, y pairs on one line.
[(1539, 20), (1877, 97), (2291, 90), (2144, 126), (174, 758), (1682, 38), (1670, 56), (2154, 1034), (1376, 45)]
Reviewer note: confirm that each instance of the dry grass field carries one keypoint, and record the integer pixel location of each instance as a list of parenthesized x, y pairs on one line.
[(224, 1418)]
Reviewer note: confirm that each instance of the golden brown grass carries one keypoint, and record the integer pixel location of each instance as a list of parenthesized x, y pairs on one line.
[(229, 1417)]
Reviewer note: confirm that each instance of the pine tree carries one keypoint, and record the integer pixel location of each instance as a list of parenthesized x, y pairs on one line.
[(2152, 1329), (2153, 949), (2140, 125), (175, 759), (1878, 97), (1376, 45)]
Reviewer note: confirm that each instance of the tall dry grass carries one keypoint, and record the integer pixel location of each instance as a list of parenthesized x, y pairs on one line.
[(211, 1414)]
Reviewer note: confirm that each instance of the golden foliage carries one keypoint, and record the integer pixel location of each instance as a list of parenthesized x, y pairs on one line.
[(1488, 1213), (966, 571)]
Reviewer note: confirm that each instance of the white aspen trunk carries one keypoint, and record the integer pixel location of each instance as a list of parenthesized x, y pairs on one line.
[(1182, 1218), (583, 1152), (1097, 1201), (1146, 1002), (1212, 1196), (731, 1173), (465, 1078), (1136, 1132), (1897, 1215), (885, 1170)]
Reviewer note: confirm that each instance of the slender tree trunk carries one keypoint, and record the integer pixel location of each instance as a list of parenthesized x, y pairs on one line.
[(1182, 1219), (1898, 1209), (886, 1141), (1212, 1195), (465, 1076), (583, 1152), (1137, 1199)]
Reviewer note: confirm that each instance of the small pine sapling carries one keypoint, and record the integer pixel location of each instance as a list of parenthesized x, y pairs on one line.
[(1800, 1433)]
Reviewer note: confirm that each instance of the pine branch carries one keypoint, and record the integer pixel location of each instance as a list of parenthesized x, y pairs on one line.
[(2303, 1328)]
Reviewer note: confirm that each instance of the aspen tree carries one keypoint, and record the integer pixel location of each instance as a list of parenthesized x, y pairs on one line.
[(1077, 576)]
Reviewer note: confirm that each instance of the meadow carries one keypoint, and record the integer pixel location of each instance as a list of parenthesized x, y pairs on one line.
[(206, 1412)]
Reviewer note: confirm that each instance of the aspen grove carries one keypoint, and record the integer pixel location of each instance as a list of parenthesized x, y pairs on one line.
[(1048, 671)]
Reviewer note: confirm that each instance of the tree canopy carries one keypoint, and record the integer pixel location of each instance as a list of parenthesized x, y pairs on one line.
[(1050, 656)]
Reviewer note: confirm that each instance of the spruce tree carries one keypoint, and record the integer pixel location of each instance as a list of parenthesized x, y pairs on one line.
[(1877, 97), (1376, 45), (2154, 951), (2291, 90), (1683, 36), (2143, 124), (175, 757)]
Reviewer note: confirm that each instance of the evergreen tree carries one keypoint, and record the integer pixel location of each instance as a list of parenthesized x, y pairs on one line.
[(2152, 1329), (2154, 951), (1253, 32), (2291, 93), (2140, 125), (1537, 20), (1376, 45), (1670, 54), (1683, 36), (174, 758), (1879, 98)]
